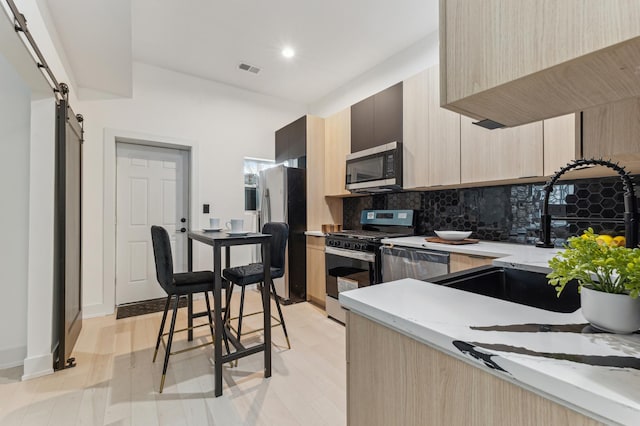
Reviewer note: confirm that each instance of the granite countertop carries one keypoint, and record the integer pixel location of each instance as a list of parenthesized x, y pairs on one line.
[(510, 255), (597, 374)]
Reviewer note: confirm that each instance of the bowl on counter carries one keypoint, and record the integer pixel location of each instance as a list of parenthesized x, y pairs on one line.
[(453, 235)]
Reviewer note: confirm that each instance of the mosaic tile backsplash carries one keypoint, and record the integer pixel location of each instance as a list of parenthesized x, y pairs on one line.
[(509, 213)]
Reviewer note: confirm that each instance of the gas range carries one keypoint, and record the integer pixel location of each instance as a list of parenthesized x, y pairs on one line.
[(376, 225), (353, 258), (361, 240)]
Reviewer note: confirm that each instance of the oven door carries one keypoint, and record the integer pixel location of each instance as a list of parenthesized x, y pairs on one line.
[(348, 270)]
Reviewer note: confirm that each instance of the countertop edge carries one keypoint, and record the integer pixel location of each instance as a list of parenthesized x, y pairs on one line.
[(511, 255), (315, 233), (552, 389)]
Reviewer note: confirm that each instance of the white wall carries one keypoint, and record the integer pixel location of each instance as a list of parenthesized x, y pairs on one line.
[(39, 360), (417, 57), (222, 123), (15, 111)]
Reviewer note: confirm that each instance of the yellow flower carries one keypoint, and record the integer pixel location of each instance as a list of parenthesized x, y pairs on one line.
[(619, 241)]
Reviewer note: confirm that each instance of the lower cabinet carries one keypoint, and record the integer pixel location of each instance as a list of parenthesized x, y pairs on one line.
[(460, 262), (393, 379), (316, 281)]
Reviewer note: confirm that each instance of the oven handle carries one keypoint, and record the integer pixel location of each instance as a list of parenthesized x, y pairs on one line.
[(358, 255)]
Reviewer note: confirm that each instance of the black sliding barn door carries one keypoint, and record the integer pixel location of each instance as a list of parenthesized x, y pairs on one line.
[(67, 282)]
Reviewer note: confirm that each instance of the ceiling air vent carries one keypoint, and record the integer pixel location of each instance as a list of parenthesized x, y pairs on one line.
[(250, 68)]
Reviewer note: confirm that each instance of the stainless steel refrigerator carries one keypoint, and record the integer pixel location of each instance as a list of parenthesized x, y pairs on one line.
[(282, 195)]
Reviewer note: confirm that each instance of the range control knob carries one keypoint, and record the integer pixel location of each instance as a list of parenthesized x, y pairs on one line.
[(347, 245)]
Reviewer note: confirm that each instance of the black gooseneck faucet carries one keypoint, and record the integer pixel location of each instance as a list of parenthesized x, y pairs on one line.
[(630, 202)]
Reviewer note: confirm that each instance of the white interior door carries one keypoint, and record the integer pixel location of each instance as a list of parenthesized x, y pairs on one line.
[(152, 189)]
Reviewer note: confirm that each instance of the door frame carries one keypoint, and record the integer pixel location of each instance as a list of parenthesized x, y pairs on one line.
[(111, 137)]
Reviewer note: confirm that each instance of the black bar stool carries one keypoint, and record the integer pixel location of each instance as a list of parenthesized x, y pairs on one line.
[(253, 273), (176, 285)]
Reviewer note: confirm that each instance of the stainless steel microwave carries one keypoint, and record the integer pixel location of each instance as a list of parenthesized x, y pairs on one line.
[(377, 169)]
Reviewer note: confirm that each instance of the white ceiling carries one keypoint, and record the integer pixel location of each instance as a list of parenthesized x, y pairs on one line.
[(335, 40)]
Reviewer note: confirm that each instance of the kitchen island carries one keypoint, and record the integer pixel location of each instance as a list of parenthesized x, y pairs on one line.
[(420, 353)]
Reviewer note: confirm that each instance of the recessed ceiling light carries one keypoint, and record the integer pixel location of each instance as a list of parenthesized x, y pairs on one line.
[(288, 52)]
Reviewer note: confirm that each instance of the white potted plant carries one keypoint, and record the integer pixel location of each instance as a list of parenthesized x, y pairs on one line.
[(608, 275)]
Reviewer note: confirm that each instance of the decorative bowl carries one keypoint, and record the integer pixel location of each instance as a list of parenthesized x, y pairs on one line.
[(453, 235)]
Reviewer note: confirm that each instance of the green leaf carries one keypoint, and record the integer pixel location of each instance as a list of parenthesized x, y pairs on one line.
[(605, 268)]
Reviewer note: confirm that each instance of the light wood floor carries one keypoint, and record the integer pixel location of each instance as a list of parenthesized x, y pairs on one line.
[(115, 382)]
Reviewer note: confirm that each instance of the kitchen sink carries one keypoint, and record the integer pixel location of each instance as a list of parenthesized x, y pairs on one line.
[(513, 285)]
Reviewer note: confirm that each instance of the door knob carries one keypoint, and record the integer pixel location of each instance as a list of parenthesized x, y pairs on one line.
[(183, 220), (183, 229)]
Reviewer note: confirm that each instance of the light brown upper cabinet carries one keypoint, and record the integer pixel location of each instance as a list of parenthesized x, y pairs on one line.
[(318, 211), (502, 154), (431, 134), (561, 142), (520, 61), (337, 146), (613, 132)]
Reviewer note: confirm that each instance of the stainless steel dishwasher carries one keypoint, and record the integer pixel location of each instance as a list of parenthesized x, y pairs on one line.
[(405, 262)]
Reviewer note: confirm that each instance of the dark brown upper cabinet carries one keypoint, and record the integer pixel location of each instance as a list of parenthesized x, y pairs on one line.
[(291, 142), (377, 120)]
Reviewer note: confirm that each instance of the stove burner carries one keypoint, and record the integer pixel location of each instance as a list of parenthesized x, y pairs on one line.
[(376, 225)]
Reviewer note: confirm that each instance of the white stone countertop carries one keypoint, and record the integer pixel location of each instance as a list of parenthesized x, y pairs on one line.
[(315, 233), (511, 255), (582, 371)]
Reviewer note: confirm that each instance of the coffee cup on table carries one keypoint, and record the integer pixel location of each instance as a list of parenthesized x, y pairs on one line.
[(235, 225), (214, 223)]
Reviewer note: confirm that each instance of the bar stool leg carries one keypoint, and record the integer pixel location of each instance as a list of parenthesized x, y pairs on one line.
[(240, 315), (225, 318), (227, 308), (206, 298), (169, 341), (284, 327), (164, 319)]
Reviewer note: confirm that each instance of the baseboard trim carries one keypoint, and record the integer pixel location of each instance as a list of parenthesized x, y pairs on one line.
[(12, 357), (37, 366), (97, 310), (102, 310)]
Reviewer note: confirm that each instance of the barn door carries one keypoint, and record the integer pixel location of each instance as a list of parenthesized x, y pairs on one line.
[(68, 219)]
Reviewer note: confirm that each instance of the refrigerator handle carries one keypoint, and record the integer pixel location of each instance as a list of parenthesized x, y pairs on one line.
[(266, 207)]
